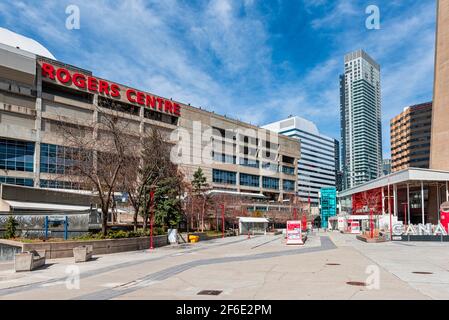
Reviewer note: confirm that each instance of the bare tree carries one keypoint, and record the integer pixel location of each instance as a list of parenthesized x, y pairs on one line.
[(234, 207), (150, 165), (98, 153)]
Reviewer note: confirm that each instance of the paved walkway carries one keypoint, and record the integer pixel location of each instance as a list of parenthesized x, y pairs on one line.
[(262, 267)]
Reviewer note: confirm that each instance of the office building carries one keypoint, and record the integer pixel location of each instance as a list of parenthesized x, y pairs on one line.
[(317, 165)]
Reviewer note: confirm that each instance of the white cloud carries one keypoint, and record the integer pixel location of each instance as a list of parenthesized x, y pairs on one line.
[(343, 10)]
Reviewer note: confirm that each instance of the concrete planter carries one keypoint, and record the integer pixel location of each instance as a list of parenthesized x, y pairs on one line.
[(64, 249), (28, 261), (83, 253)]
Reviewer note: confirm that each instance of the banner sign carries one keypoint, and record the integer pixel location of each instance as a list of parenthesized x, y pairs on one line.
[(420, 232), (294, 235), (427, 229)]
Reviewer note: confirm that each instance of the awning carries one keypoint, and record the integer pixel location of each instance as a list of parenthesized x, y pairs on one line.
[(252, 219), (403, 176), (116, 210), (44, 206), (236, 193)]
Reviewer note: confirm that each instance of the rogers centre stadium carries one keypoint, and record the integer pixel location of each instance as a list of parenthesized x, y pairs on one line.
[(37, 92)]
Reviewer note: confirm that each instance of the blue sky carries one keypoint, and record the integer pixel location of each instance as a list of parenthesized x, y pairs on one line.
[(258, 61)]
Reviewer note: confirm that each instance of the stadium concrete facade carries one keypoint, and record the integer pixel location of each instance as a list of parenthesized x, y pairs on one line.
[(38, 93)]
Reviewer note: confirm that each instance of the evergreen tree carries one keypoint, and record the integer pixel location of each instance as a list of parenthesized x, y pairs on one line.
[(199, 190), (11, 227), (167, 197)]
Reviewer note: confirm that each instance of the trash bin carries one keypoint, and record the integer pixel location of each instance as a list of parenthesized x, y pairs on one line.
[(192, 238)]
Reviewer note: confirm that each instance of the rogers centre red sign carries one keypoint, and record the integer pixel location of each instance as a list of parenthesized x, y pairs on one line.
[(95, 85)]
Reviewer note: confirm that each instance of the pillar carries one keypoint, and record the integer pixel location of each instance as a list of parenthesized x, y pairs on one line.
[(408, 202), (438, 201), (389, 202), (422, 203), (447, 193), (395, 200), (38, 129)]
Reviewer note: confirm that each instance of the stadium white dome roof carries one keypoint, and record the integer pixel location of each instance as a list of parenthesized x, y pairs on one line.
[(16, 40)]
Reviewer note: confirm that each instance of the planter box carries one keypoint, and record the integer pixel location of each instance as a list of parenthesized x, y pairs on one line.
[(83, 253), (370, 240), (28, 261)]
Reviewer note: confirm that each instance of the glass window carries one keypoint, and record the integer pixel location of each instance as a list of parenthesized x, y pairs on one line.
[(56, 159), (53, 184), (270, 166), (288, 170), (249, 180), (270, 183), (16, 155), (17, 181), (249, 163), (221, 176), (288, 185), (224, 158)]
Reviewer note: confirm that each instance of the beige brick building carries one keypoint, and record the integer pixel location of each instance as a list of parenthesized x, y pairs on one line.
[(410, 133)]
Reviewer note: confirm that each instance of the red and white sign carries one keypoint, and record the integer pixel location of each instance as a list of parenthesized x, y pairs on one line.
[(444, 220), (95, 85), (354, 226), (294, 235)]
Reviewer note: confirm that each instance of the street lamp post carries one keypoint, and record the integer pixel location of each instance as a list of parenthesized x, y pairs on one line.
[(222, 219), (151, 219)]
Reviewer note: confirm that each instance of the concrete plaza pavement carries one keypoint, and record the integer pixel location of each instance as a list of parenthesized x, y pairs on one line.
[(262, 267)]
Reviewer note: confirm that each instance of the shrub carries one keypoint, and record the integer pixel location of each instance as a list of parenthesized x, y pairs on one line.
[(11, 227), (117, 234), (120, 234)]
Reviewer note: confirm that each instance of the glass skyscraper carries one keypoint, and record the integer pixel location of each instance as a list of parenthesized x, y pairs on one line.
[(317, 166), (361, 128)]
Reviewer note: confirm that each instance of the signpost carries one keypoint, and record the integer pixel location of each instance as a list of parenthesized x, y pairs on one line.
[(294, 234)]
